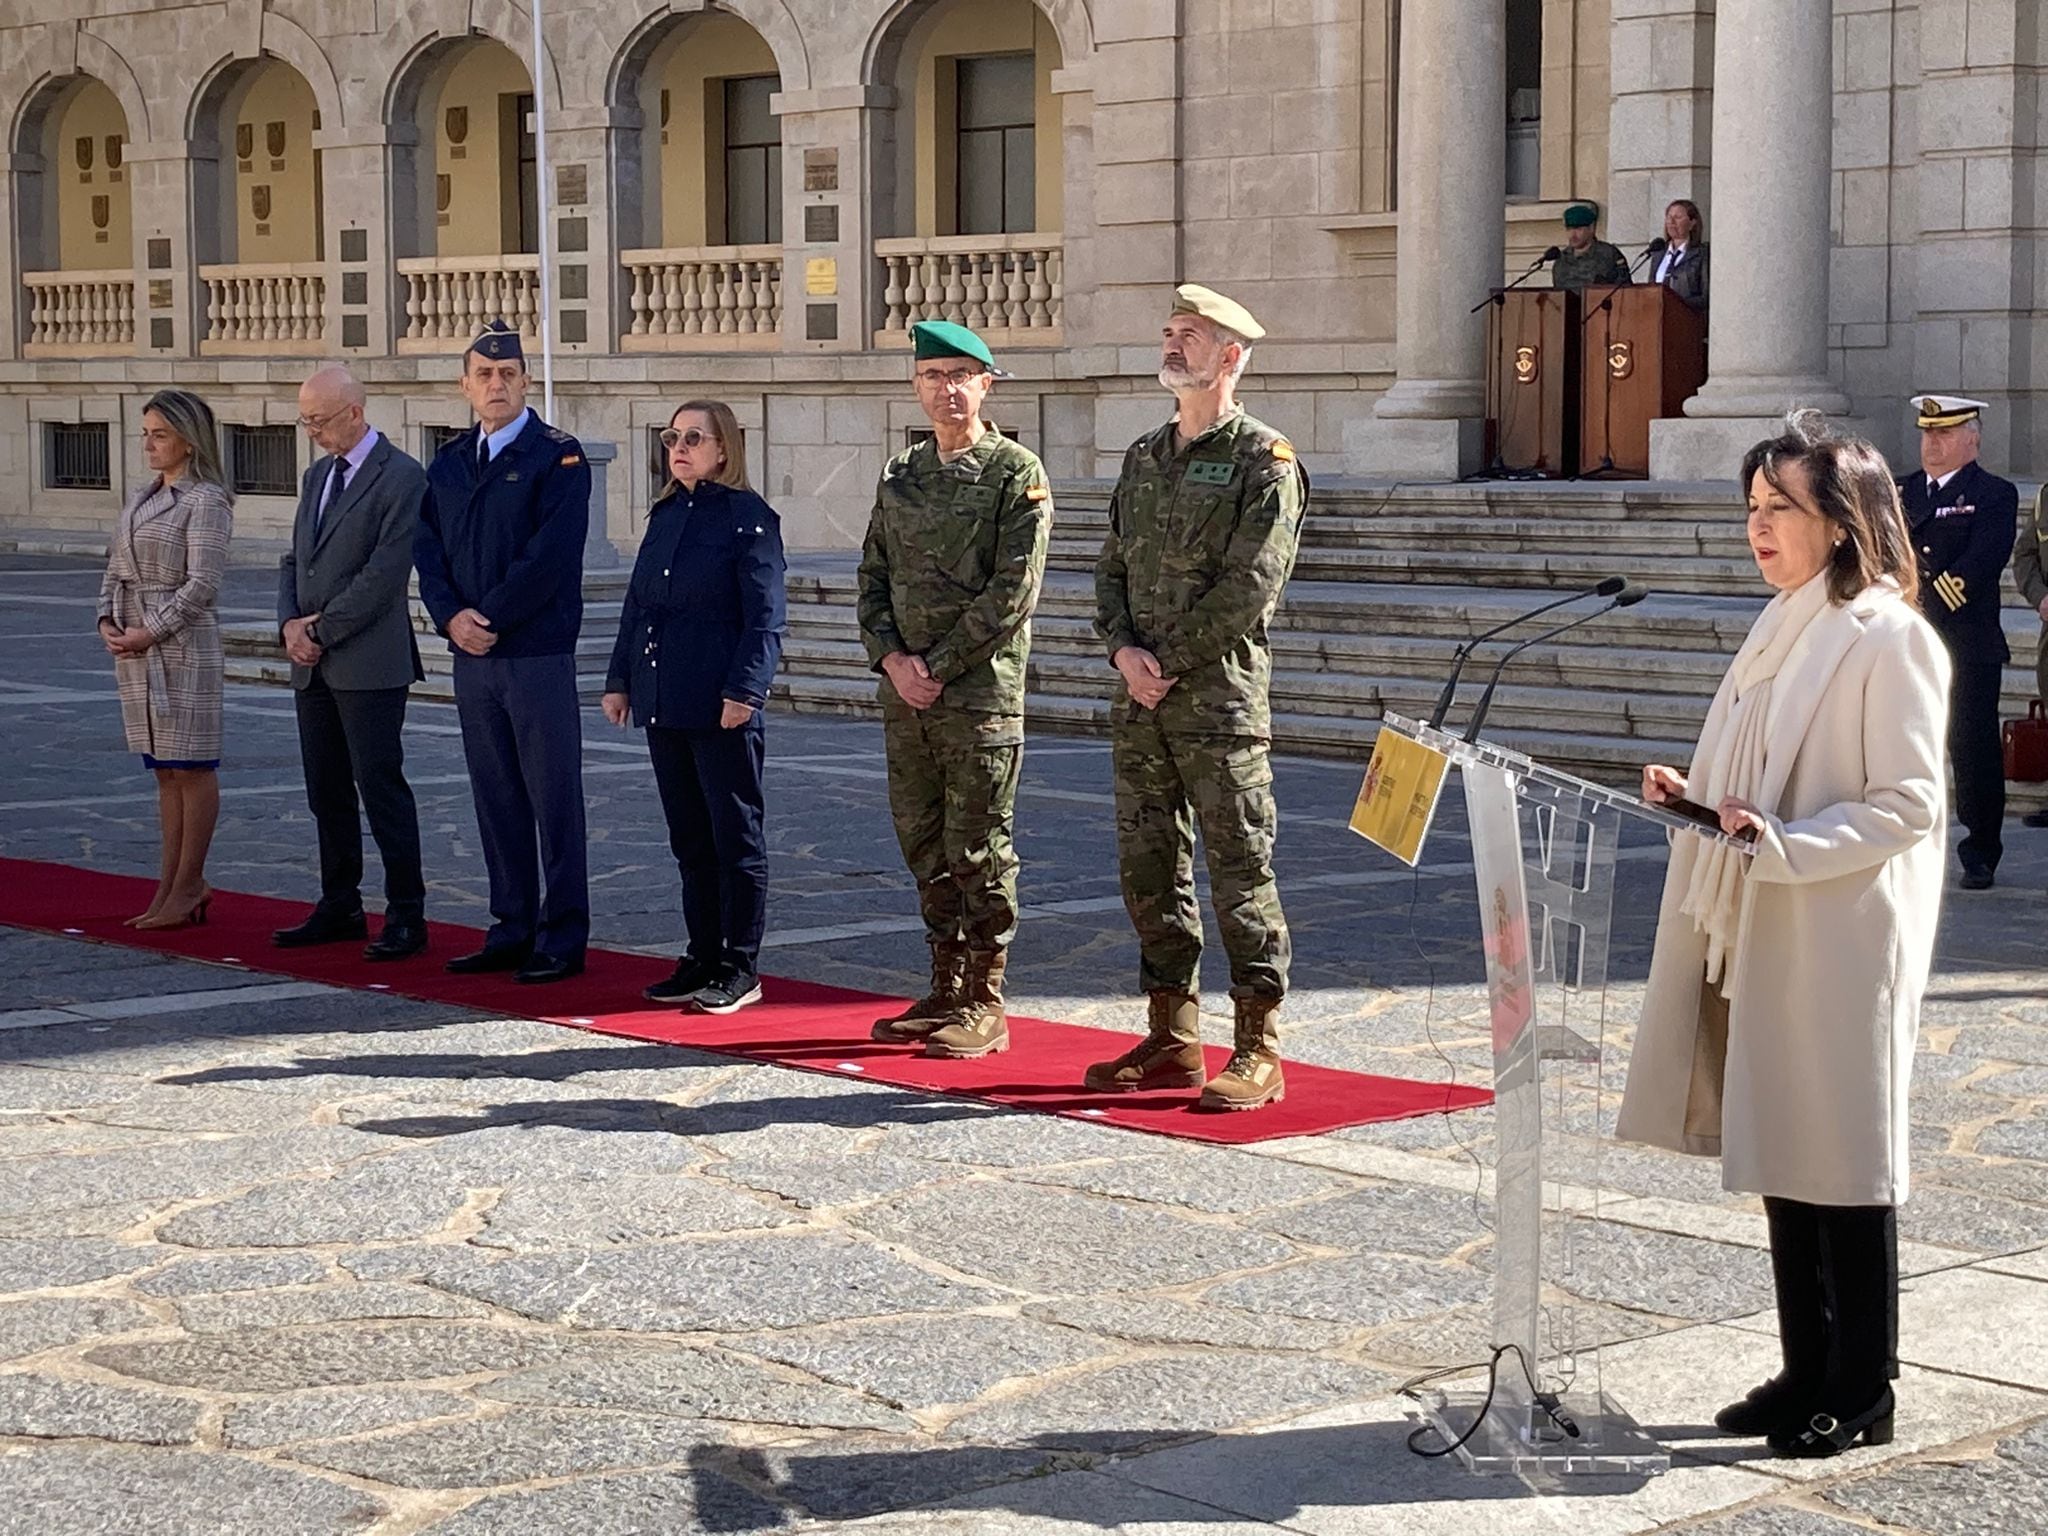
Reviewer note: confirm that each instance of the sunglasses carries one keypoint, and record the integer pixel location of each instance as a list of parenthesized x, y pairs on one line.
[(671, 438)]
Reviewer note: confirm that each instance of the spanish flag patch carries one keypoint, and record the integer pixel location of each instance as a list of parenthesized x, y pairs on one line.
[(1038, 493), (1283, 450), (571, 458)]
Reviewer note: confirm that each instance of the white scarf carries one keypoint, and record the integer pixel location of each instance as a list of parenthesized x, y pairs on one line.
[(1733, 764)]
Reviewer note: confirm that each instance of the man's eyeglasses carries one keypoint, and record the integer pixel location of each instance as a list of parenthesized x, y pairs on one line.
[(957, 378), (319, 423), (671, 438)]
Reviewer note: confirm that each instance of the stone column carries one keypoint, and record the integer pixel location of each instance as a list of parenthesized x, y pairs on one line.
[(1449, 248), (1773, 155), (365, 306), (828, 224), (169, 309), (583, 234)]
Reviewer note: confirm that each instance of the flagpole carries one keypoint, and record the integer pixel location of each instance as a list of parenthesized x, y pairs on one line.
[(540, 198)]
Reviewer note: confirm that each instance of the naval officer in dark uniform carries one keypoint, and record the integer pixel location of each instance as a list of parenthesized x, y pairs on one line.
[(1963, 519), (500, 558)]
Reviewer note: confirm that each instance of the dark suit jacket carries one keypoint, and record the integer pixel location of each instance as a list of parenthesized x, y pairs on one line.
[(1963, 536), (352, 571), (1689, 278)]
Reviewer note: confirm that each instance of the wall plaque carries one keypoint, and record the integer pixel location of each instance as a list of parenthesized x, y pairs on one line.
[(160, 293), (821, 322), (821, 170), (821, 277), (572, 184), (821, 224), (355, 245)]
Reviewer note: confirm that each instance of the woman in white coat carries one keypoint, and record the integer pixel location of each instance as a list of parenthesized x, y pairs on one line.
[(1784, 995)]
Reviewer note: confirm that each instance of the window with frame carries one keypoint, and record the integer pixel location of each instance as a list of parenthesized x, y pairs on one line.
[(523, 218), (434, 438), (996, 164), (262, 461), (77, 456), (753, 162)]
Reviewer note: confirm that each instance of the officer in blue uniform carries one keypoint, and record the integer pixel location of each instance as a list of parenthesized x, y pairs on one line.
[(500, 557), (1963, 519)]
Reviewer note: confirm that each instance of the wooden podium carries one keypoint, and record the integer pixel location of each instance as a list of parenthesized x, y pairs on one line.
[(1532, 385), (1645, 353)]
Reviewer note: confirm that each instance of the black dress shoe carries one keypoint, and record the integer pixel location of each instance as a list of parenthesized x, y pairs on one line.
[(398, 941), (1776, 1405), (323, 928), (492, 957), (549, 968), (2035, 819), (1976, 880), (1826, 1435)]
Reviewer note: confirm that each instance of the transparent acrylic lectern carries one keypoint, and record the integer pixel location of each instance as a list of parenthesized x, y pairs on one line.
[(1544, 846)]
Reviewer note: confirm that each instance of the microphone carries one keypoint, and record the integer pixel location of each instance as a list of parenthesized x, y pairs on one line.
[(1654, 249), (1549, 255), (1610, 586), (1629, 595), (1497, 296)]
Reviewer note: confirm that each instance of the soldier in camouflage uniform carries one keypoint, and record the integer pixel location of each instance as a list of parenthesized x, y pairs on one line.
[(1203, 527), (949, 574), (1587, 260)]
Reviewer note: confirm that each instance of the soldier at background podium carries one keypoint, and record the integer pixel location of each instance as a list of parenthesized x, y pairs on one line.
[(1962, 518), (1588, 260)]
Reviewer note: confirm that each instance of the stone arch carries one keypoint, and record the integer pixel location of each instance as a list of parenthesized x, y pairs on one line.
[(770, 18), (105, 63), (1072, 23), (474, 171), (288, 180), (424, 29), (42, 190), (288, 43)]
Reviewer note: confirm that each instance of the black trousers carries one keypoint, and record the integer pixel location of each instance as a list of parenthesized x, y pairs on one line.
[(1978, 761), (1836, 1269), (710, 785), (351, 743)]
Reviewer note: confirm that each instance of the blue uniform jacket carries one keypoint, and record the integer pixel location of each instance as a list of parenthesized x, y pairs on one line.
[(509, 543), (703, 618), (1963, 536)]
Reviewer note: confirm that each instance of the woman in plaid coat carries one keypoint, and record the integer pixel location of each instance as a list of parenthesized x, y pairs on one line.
[(158, 619)]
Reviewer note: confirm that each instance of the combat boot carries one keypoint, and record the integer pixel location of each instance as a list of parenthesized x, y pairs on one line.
[(1170, 1055), (948, 994), (979, 1027), (1252, 1079)]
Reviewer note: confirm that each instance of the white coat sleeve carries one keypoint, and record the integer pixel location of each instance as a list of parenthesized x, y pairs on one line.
[(1905, 717)]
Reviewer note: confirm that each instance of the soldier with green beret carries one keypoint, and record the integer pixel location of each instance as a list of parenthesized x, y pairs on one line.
[(1203, 526), (949, 574), (1587, 259)]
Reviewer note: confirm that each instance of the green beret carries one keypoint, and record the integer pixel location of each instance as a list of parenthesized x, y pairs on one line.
[(942, 338), (1581, 215), (500, 343)]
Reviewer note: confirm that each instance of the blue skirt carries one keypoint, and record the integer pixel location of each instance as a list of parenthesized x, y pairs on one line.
[(150, 764)]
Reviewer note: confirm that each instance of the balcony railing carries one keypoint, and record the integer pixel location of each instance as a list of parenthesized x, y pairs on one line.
[(1007, 287), (265, 309), (80, 314), (704, 298), (449, 299)]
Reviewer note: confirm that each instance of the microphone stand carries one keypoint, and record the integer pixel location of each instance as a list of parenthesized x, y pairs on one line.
[(1625, 599), (1610, 586), (1498, 299)]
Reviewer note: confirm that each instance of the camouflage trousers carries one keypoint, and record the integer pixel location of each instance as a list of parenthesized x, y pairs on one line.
[(1169, 783), (953, 797)]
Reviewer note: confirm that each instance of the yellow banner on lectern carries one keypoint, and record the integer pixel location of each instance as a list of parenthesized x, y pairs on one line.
[(1397, 802)]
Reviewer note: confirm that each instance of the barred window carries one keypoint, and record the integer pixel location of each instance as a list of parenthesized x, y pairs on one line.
[(77, 456), (433, 439), (262, 461)]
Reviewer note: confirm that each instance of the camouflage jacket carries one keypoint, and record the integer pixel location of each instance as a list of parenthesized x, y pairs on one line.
[(1598, 263), (951, 567), (1201, 541)]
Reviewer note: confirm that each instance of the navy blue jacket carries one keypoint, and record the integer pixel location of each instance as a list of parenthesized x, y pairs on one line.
[(509, 543), (707, 600), (1963, 536)]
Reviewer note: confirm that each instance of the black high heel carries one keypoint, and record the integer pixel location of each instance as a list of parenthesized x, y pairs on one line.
[(1826, 1435), (1777, 1405)]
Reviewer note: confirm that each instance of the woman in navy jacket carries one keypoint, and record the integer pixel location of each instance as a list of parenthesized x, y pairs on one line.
[(707, 599)]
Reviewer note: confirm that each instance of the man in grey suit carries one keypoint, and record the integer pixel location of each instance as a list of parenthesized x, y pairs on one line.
[(347, 625)]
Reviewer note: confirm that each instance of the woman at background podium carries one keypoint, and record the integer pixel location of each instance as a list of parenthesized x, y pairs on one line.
[(1783, 1002)]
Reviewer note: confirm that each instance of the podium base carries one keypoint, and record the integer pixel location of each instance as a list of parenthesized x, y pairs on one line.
[(1518, 1440)]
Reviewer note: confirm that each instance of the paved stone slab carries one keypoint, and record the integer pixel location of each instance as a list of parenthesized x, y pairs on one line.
[(1427, 1222), (578, 1214), (234, 1272), (337, 1355), (188, 1170), (820, 1183), (42, 1138), (510, 1448), (1466, 1333), (850, 1477), (1199, 1178), (78, 1221), (199, 1107), (46, 1407), (41, 1091), (1155, 1320), (1979, 1223), (1009, 1141), (690, 1384), (54, 1322), (34, 1265), (1993, 1495), (186, 1493), (727, 1285), (1148, 1401), (629, 1504), (926, 1361), (1777, 1520), (327, 1304), (1362, 1291), (1664, 1273), (356, 1205), (609, 1146), (1038, 1240), (331, 1415), (1993, 1326), (2033, 1265)]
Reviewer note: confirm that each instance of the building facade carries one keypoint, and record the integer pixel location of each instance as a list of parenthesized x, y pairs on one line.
[(753, 199)]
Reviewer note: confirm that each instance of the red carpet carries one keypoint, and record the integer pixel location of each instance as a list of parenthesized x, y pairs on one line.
[(797, 1024)]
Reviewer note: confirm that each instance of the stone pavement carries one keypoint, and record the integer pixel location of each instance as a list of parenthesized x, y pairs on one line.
[(275, 1257)]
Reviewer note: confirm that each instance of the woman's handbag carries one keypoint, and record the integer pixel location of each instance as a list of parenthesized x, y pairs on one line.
[(2026, 747)]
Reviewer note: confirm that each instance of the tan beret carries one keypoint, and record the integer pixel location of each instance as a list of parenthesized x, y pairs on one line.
[(1194, 299)]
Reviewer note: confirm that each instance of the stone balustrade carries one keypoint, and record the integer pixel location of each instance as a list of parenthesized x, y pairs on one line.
[(704, 298), (258, 309), (449, 299), (1007, 287), (80, 314)]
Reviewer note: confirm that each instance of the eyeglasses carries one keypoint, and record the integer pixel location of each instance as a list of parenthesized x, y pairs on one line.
[(958, 378), (319, 423), (671, 438)]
